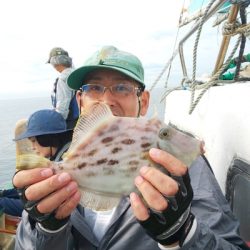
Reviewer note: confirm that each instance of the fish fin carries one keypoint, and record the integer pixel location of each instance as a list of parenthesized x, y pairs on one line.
[(98, 201), (92, 117), (29, 161)]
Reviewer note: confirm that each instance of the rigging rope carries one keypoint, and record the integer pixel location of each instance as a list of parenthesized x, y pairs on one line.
[(195, 49), (229, 29), (234, 29), (169, 63), (214, 78)]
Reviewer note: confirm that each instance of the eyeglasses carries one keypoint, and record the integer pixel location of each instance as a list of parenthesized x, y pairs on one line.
[(119, 90)]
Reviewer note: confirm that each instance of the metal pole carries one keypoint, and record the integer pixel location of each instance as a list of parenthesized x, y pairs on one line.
[(196, 26), (226, 39)]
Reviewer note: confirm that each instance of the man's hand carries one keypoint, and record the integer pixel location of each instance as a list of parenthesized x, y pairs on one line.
[(167, 219), (48, 198)]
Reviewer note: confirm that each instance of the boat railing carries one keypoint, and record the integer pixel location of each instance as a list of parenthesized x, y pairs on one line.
[(8, 226)]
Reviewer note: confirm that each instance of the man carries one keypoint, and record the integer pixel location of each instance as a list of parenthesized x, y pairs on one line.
[(116, 78), (63, 98)]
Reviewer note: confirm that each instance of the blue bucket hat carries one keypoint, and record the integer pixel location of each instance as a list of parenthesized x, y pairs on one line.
[(44, 122)]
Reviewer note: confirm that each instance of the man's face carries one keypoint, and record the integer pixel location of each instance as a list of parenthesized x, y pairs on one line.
[(120, 105)]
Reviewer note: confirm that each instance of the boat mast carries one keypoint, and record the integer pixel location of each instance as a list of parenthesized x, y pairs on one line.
[(226, 39), (195, 27)]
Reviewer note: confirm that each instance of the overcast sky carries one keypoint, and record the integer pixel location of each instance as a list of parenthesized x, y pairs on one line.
[(30, 28)]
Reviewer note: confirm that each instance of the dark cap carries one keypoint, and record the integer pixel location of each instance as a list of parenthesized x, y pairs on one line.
[(57, 51)]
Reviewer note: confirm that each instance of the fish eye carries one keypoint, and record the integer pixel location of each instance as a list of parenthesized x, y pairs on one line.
[(164, 132)]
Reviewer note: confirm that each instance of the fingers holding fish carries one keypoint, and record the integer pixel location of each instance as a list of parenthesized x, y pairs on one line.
[(150, 194), (139, 209), (58, 200), (28, 177), (45, 187), (58, 193), (68, 206), (153, 196), (154, 179), (168, 161), (154, 185)]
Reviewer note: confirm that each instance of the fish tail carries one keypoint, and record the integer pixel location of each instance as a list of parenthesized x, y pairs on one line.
[(29, 161)]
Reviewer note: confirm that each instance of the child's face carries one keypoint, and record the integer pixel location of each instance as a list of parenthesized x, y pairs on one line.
[(40, 150)]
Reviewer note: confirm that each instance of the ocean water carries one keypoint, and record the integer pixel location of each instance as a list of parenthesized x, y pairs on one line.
[(16, 109), (11, 111)]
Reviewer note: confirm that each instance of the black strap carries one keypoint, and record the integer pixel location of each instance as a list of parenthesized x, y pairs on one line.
[(59, 154)]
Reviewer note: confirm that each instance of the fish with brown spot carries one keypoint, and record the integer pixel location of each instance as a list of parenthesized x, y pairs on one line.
[(104, 161)]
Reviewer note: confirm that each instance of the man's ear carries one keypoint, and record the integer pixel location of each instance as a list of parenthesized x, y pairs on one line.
[(144, 98), (78, 98)]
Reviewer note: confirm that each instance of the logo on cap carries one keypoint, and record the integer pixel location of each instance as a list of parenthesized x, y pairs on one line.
[(57, 52)]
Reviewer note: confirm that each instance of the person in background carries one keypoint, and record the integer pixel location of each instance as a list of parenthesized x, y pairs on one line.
[(62, 97), (46, 129), (10, 202), (185, 209), (48, 133)]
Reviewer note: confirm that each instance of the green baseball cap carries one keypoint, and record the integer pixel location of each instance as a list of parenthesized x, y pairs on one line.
[(57, 51), (109, 57)]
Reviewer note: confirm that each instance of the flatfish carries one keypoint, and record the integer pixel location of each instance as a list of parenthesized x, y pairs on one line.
[(107, 152)]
